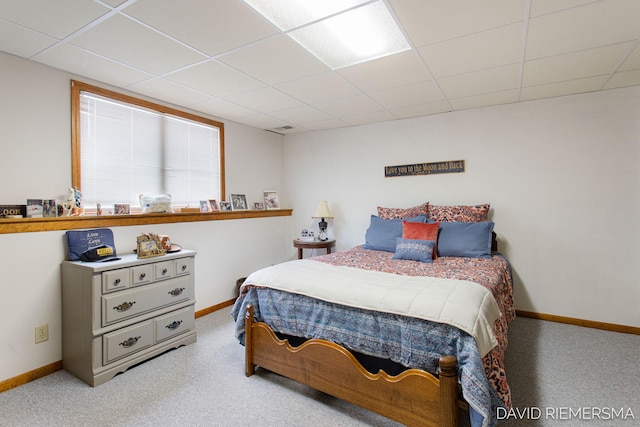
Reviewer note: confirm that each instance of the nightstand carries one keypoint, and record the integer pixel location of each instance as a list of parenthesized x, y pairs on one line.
[(314, 244)]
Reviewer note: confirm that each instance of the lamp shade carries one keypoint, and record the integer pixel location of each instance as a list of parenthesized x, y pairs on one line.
[(322, 211)]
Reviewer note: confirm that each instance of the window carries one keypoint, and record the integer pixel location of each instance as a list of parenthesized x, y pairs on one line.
[(124, 147)]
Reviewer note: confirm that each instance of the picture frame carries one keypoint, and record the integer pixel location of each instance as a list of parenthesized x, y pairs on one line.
[(35, 208), (121, 209), (271, 200), (149, 245), (239, 202), (49, 208), (225, 206), (258, 206), (213, 205), (204, 206)]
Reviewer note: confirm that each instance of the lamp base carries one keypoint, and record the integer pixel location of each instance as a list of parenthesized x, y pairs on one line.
[(322, 235)]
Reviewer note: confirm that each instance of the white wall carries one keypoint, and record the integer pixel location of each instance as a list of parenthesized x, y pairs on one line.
[(35, 161), (562, 177)]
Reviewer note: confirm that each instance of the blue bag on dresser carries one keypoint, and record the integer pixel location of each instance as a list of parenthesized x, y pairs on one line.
[(94, 244)]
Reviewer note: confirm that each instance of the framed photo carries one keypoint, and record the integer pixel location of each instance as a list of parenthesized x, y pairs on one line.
[(213, 205), (204, 206), (258, 206), (149, 245), (271, 200), (35, 209), (225, 206), (49, 208), (239, 202), (121, 209)]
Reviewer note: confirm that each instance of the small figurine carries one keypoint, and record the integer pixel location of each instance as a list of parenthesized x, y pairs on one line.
[(73, 204)]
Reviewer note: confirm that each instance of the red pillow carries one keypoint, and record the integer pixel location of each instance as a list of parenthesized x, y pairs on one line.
[(421, 231)]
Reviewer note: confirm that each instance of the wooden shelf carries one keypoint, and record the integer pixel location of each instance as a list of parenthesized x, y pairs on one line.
[(27, 225)]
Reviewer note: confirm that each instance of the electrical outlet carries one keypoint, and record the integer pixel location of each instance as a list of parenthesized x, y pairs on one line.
[(42, 333)]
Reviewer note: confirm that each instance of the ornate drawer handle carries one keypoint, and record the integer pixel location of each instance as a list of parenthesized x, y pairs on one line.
[(116, 282), (176, 292), (164, 271), (124, 306), (130, 342), (143, 275), (174, 325), (184, 267)]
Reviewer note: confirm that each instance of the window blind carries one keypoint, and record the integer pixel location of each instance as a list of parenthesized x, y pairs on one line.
[(127, 150)]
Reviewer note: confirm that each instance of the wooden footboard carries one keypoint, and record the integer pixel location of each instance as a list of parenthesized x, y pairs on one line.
[(414, 398)]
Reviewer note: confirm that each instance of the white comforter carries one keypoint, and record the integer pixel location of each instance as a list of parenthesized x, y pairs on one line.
[(463, 304)]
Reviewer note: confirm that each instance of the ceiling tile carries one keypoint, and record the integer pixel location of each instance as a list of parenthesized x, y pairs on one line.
[(624, 79), (274, 60), (485, 100), (326, 124), (421, 110), (224, 59), (432, 21), (391, 71), (114, 3), (57, 19), (21, 41), (213, 30), (592, 25), (404, 96), (215, 79), (301, 115), (543, 7), (374, 117), (488, 49), (480, 82), (262, 121), (123, 40), (170, 92), (632, 62), (318, 88), (226, 109), (351, 106), (265, 100), (571, 87), (84, 63), (575, 65)]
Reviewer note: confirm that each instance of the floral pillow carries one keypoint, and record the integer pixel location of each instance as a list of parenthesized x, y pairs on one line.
[(459, 213), (400, 213)]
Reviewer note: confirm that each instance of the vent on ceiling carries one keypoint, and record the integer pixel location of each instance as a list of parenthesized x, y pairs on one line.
[(280, 129)]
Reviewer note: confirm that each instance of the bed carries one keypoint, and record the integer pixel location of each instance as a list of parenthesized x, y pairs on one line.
[(411, 325)]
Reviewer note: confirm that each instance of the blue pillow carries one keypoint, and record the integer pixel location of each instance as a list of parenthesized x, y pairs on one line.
[(382, 233), (414, 250), (465, 239)]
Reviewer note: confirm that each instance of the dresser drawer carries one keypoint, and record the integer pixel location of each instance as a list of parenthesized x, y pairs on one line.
[(125, 341), (174, 323), (183, 266), (164, 270), (133, 302), (114, 280), (141, 274)]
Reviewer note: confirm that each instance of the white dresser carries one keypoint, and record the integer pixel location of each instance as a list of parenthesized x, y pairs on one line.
[(119, 313)]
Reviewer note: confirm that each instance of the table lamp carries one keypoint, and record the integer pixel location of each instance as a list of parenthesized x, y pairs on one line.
[(322, 212)]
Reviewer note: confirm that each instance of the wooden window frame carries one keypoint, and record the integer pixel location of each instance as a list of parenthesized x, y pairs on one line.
[(24, 225)]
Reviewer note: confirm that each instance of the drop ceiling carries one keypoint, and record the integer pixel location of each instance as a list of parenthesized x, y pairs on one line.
[(224, 59)]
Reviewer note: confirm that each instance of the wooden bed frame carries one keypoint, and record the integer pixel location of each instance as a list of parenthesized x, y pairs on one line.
[(414, 398)]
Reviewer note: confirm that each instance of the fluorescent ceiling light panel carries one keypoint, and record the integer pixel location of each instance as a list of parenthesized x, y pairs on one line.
[(339, 34), (290, 14)]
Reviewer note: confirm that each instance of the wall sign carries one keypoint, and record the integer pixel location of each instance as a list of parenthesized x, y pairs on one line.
[(450, 166)]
